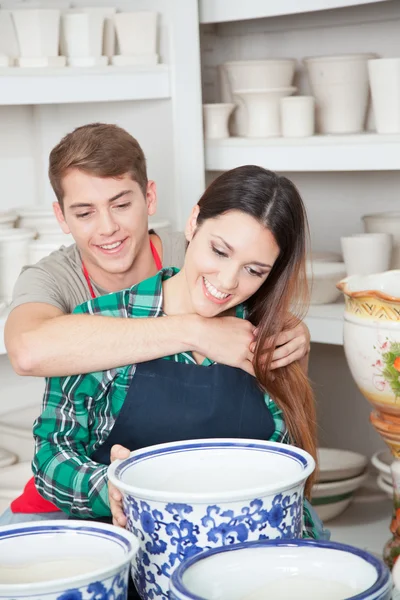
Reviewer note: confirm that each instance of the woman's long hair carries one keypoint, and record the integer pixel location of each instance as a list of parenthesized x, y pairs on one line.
[(282, 300)]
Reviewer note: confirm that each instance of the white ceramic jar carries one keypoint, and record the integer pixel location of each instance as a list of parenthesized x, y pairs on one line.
[(386, 222), (297, 116), (38, 32), (263, 110), (136, 33), (41, 220), (215, 120), (384, 76), (14, 254), (367, 253)]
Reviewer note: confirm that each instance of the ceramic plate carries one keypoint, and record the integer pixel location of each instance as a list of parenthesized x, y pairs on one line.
[(382, 461), (335, 464)]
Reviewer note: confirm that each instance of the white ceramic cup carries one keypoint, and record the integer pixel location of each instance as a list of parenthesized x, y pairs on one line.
[(14, 254), (384, 77), (216, 118), (367, 253), (136, 32), (297, 116)]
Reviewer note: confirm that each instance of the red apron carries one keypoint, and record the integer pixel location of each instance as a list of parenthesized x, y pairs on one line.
[(30, 501)]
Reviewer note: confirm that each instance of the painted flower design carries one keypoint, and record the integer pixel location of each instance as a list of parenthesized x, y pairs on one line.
[(388, 367)]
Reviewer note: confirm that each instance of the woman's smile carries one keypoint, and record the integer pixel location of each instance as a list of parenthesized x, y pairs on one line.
[(213, 294)]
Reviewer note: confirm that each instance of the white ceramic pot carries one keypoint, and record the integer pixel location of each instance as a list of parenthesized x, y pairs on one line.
[(40, 220), (185, 496), (136, 32), (215, 117), (386, 222), (260, 74), (382, 461), (322, 278), (83, 34), (102, 29), (16, 431), (384, 76), (8, 39), (263, 111), (367, 253), (38, 32), (297, 116), (298, 569), (341, 89), (14, 254), (372, 336), (238, 120), (8, 219), (57, 560)]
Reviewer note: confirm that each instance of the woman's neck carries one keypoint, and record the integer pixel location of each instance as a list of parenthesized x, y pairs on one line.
[(176, 298)]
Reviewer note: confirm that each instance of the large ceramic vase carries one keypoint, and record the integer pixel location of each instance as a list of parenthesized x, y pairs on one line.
[(372, 348)]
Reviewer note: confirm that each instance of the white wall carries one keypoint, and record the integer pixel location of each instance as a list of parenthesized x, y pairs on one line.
[(335, 202)]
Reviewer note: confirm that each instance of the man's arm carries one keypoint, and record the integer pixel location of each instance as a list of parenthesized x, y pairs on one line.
[(42, 341)]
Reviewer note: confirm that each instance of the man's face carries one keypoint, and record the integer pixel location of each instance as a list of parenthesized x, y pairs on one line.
[(107, 217)]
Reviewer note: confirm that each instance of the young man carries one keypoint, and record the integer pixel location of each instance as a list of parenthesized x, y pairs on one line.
[(98, 173)]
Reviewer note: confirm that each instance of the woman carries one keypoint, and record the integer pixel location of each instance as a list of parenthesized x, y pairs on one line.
[(245, 257)]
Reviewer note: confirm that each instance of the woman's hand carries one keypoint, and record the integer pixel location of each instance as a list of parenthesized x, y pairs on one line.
[(115, 495), (292, 345)]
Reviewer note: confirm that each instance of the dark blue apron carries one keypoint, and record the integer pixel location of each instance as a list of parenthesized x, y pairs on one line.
[(169, 401)]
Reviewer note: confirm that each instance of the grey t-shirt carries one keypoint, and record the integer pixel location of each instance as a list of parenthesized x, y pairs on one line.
[(58, 279)]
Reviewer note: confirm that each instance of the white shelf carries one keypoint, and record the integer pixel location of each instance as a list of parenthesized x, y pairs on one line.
[(71, 84), (359, 152), (325, 322), (217, 11)]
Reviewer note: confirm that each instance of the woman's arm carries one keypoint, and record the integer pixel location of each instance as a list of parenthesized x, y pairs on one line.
[(64, 474)]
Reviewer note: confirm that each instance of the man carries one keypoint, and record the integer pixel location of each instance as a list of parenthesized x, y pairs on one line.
[(104, 198)]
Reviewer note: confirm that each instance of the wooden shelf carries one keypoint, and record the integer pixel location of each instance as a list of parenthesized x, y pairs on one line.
[(217, 11), (325, 322), (359, 152), (71, 84)]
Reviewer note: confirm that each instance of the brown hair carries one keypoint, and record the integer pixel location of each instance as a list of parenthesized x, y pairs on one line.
[(274, 201), (99, 149)]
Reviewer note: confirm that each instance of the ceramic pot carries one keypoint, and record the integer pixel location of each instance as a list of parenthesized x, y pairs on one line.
[(384, 76), (57, 560), (260, 74), (297, 116), (101, 19), (185, 496), (237, 124), (83, 34), (300, 569), (322, 278), (8, 219), (215, 117), (367, 253), (40, 220), (14, 254), (263, 111), (8, 39), (38, 32), (341, 89), (136, 32), (386, 222)]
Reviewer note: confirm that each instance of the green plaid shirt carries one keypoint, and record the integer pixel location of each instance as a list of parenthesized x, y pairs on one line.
[(80, 411)]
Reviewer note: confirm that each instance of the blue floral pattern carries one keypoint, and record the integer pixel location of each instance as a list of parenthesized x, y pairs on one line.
[(170, 533)]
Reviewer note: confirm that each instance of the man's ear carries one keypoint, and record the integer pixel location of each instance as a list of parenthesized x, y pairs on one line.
[(60, 217), (151, 198), (191, 224)]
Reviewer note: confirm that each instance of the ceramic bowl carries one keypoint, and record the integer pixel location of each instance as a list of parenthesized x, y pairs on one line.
[(12, 482), (335, 464), (184, 496), (7, 219), (60, 560), (331, 499), (382, 461), (41, 220), (260, 74), (385, 485), (322, 278), (16, 431), (300, 569)]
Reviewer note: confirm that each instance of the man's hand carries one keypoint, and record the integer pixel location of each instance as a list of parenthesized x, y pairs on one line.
[(115, 496), (227, 340), (292, 345)]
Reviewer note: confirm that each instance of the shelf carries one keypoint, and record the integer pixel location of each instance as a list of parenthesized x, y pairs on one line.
[(71, 84), (218, 11), (325, 322), (359, 152)]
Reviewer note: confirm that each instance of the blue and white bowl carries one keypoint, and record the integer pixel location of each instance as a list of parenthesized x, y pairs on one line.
[(65, 560), (284, 569), (182, 497)]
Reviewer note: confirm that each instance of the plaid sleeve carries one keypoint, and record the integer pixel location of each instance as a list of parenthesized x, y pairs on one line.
[(313, 528), (64, 474)]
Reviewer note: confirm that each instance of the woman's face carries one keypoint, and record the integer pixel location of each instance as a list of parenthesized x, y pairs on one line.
[(227, 260)]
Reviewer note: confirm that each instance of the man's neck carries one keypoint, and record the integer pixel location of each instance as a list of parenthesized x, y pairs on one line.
[(143, 267)]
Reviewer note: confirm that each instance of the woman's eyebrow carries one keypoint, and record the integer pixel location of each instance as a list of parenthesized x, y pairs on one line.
[(253, 262)]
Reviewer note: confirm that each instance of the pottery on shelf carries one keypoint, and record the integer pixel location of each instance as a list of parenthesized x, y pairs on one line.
[(263, 110), (384, 76), (8, 40), (14, 254), (271, 569), (215, 117), (8, 219), (340, 86), (297, 116), (82, 34), (204, 492), (38, 32), (372, 349), (100, 17), (57, 560), (322, 277), (367, 253), (41, 220), (386, 222), (238, 120), (330, 499), (136, 33), (260, 74)]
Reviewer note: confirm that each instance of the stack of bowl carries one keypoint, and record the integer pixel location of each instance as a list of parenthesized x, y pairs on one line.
[(341, 474), (257, 87), (382, 461)]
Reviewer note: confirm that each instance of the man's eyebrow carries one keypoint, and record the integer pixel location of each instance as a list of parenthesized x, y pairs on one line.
[(90, 204)]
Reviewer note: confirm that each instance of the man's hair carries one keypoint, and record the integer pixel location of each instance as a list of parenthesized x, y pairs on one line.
[(97, 149)]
